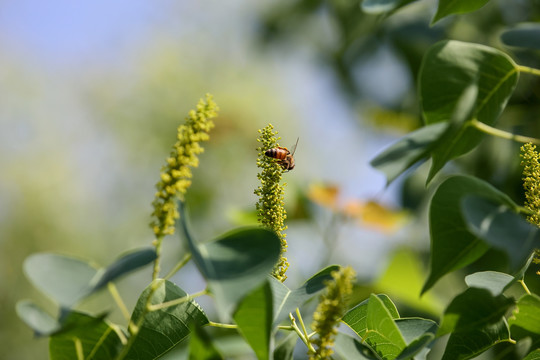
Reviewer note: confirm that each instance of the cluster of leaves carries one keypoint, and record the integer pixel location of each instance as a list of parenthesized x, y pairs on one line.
[(463, 90)]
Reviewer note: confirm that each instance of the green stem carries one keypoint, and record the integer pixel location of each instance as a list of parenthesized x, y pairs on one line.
[(526, 69), (302, 323), (524, 286), (157, 243), (501, 133), (175, 301), (302, 337), (118, 299), (78, 348), (223, 326), (178, 266)]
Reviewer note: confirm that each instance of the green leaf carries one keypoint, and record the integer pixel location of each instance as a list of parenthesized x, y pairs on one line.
[(36, 318), (501, 227), (383, 6), (285, 348), (96, 338), (382, 333), (473, 309), (525, 36), (163, 329), (286, 301), (476, 322), (236, 263), (410, 149), (448, 69), (452, 245), (254, 319), (493, 281), (356, 318), (125, 264), (201, 346), (449, 7), (64, 279), (350, 348), (418, 334), (533, 355), (527, 314)]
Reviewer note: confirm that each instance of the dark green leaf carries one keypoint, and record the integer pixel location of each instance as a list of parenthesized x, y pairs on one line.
[(95, 337), (409, 150), (64, 279), (447, 70), (201, 346), (286, 301), (36, 318), (383, 6), (285, 348), (124, 265), (449, 7), (472, 310), (501, 227), (533, 355), (527, 314), (382, 333), (493, 281), (525, 37), (236, 263), (476, 322), (350, 348), (254, 319), (452, 245), (356, 318), (161, 330)]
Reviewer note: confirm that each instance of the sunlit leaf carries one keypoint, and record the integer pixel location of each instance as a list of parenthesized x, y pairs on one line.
[(254, 319), (163, 329), (449, 7), (96, 338), (409, 150), (452, 245), (356, 318), (286, 301), (493, 281), (533, 355), (448, 70), (524, 37), (500, 226), (527, 314), (382, 333)]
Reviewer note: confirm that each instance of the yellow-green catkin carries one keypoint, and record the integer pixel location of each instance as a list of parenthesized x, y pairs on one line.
[(530, 160), (270, 207), (531, 181), (175, 176), (331, 308)]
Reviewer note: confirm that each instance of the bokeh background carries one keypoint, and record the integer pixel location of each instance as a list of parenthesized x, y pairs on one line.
[(91, 94)]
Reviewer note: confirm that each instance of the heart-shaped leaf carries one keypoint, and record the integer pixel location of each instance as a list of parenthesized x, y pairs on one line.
[(254, 319), (493, 281), (356, 318), (448, 69), (452, 245), (525, 36), (527, 314)]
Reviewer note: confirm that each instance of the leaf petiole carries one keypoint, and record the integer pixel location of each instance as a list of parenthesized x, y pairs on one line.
[(480, 126)]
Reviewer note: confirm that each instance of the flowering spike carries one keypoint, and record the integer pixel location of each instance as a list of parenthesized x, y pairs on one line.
[(270, 210), (175, 175), (531, 181), (331, 308)]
